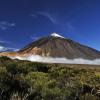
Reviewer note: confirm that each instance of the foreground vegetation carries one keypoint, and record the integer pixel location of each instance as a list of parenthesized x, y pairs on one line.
[(23, 80)]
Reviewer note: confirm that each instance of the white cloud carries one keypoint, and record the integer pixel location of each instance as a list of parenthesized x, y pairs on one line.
[(38, 58), (5, 42), (49, 16), (34, 15), (13, 49), (3, 48), (35, 37), (62, 24), (5, 25), (2, 41)]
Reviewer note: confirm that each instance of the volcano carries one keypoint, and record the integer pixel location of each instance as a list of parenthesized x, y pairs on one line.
[(56, 45)]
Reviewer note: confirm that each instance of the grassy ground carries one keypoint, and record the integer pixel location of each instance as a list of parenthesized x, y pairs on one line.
[(24, 80)]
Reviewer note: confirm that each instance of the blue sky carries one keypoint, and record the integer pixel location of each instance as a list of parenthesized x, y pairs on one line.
[(23, 21)]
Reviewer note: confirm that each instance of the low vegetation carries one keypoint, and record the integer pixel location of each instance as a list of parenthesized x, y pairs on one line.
[(23, 80)]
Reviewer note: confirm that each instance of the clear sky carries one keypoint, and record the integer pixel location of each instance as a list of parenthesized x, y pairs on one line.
[(22, 21)]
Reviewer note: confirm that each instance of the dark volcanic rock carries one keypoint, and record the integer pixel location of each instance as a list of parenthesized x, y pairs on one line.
[(57, 46)]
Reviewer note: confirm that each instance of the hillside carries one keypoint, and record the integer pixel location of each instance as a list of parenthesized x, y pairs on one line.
[(52, 46)]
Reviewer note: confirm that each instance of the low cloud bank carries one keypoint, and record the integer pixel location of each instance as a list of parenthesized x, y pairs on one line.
[(37, 58)]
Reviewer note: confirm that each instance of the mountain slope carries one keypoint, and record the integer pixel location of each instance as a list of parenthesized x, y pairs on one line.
[(58, 46)]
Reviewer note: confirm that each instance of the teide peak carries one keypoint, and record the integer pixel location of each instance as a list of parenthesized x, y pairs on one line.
[(56, 46)]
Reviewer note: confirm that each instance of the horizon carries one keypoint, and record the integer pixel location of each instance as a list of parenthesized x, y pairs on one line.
[(23, 21)]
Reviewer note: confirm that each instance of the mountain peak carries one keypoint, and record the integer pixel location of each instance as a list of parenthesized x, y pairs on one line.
[(56, 35), (56, 46)]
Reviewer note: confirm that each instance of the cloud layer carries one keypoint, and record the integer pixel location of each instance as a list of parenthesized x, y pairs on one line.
[(37, 58)]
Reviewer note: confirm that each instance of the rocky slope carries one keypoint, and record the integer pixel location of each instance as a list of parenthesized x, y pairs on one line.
[(57, 46)]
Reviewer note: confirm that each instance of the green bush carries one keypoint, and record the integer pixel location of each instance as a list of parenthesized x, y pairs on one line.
[(39, 81)]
